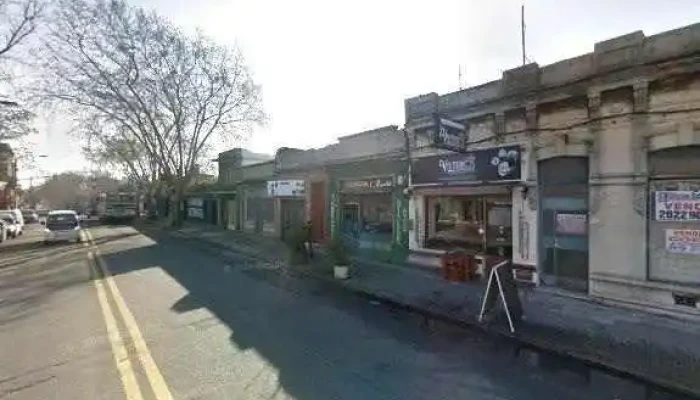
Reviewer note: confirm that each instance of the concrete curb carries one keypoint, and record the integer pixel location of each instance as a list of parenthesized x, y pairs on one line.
[(549, 347)]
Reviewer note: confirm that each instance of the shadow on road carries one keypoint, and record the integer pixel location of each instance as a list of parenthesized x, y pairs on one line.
[(29, 281), (327, 344)]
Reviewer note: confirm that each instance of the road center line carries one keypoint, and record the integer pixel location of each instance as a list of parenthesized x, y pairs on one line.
[(121, 356), (155, 377)]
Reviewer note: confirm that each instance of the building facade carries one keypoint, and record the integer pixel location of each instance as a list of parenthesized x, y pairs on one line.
[(354, 188), (607, 201)]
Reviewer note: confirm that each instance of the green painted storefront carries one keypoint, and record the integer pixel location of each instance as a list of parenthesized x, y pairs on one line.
[(368, 209)]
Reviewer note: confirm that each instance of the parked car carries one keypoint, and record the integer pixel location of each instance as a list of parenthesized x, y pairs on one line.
[(30, 216), (62, 225), (18, 218), (12, 227)]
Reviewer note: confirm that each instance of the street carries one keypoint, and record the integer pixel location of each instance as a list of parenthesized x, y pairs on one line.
[(143, 315)]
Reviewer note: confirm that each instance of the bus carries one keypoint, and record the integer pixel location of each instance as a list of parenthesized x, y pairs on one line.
[(120, 207)]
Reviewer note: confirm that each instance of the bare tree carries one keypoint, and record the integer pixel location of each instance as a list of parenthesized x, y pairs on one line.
[(16, 124), (15, 121), (18, 20), (144, 83)]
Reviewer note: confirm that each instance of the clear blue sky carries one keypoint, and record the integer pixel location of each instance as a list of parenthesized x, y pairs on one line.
[(330, 68)]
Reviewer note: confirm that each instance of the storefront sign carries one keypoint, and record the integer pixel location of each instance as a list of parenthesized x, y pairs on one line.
[(448, 134), (195, 213), (290, 188), (683, 241), (677, 206), (571, 224), (488, 165), (367, 185)]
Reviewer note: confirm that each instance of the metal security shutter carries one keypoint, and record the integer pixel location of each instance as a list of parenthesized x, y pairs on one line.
[(674, 223)]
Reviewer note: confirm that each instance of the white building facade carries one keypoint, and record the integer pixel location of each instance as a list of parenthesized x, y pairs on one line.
[(606, 202)]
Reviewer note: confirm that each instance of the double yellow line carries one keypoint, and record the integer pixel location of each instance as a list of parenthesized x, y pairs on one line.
[(104, 281)]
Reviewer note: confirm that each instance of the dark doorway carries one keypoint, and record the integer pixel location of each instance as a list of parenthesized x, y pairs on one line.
[(292, 215), (563, 214), (318, 211)]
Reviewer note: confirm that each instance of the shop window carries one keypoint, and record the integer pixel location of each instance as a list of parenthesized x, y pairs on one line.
[(377, 214), (458, 219), (479, 223), (674, 215)]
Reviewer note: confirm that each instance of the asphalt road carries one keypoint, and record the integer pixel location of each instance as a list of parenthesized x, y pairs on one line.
[(133, 316)]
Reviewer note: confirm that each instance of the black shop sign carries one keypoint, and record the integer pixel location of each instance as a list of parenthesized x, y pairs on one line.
[(370, 185), (488, 165), (447, 134)]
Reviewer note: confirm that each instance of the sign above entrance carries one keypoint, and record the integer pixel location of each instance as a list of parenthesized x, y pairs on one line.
[(448, 134), (488, 165), (371, 185), (289, 188)]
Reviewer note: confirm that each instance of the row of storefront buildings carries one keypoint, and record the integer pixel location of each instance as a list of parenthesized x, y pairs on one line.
[(585, 172)]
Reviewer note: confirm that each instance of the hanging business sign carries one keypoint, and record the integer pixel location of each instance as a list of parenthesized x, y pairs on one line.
[(448, 134), (487, 165), (677, 205), (286, 188), (369, 185), (683, 241)]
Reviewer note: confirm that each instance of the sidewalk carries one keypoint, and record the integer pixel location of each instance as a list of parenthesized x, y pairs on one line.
[(659, 349)]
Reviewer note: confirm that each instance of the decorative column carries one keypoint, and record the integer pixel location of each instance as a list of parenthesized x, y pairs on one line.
[(594, 128), (400, 213), (334, 208)]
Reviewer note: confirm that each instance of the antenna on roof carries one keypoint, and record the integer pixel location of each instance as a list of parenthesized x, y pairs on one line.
[(460, 77), (522, 31)]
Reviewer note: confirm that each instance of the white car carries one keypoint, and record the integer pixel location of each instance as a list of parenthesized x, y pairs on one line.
[(62, 225), (13, 228), (19, 219)]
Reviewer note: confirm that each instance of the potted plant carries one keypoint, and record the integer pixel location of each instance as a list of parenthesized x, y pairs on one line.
[(340, 259)]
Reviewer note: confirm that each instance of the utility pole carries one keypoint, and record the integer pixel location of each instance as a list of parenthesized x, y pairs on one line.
[(460, 77), (522, 31)]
